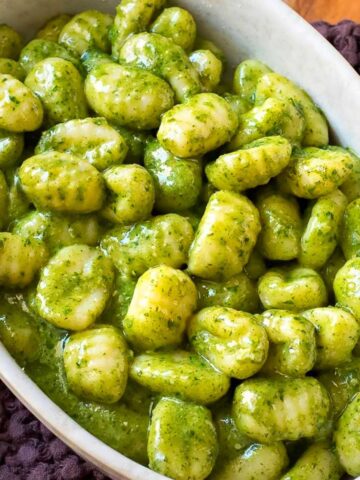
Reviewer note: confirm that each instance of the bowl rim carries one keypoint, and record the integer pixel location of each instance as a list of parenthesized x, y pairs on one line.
[(111, 462), (57, 421)]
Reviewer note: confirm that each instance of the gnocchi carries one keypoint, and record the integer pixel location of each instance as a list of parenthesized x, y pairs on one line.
[(179, 248), (74, 287), (224, 210), (162, 303), (231, 340)]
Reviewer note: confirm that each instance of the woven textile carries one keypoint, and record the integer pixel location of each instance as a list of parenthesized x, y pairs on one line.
[(345, 36), (28, 451)]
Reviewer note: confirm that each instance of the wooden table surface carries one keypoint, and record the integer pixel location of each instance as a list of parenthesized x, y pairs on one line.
[(329, 10)]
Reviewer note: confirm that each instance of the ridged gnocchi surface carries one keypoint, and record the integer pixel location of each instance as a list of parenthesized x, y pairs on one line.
[(179, 247)]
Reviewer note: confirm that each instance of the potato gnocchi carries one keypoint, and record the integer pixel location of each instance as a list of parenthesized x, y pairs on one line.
[(179, 248)]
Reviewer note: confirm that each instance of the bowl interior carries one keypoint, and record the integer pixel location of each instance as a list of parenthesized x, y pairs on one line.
[(267, 30)]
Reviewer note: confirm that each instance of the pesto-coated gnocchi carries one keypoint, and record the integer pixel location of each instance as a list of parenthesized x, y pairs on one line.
[(281, 225), (128, 96), (163, 301), (58, 230), (118, 305), (230, 224), (11, 148), (59, 86), (20, 109), (62, 183), (239, 293), (237, 103), (318, 462), (91, 139), (39, 49), (232, 341), (273, 85), (17, 202), (350, 230), (96, 364), (337, 333), (255, 164), (255, 268), (93, 57), (132, 16), (193, 216), (132, 194), (231, 441), (314, 172), (347, 437), (271, 410), (330, 269), (209, 68), (202, 124), (177, 24), (18, 332), (13, 68), (342, 383), (180, 373), (179, 248), (20, 260), (273, 117), (292, 343), (206, 44), (164, 239), (347, 287), (85, 30), (351, 186), (10, 42), (74, 287), (322, 230), (207, 190), (182, 440), (4, 201), (292, 289), (52, 28), (246, 77), (257, 461), (136, 142), (177, 181), (161, 56)]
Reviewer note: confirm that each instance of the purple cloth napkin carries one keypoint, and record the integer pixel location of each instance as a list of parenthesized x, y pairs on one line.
[(345, 36), (28, 451)]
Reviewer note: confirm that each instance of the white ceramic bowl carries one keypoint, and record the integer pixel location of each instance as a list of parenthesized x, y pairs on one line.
[(263, 29)]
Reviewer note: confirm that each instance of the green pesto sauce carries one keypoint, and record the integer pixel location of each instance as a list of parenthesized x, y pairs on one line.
[(123, 153)]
